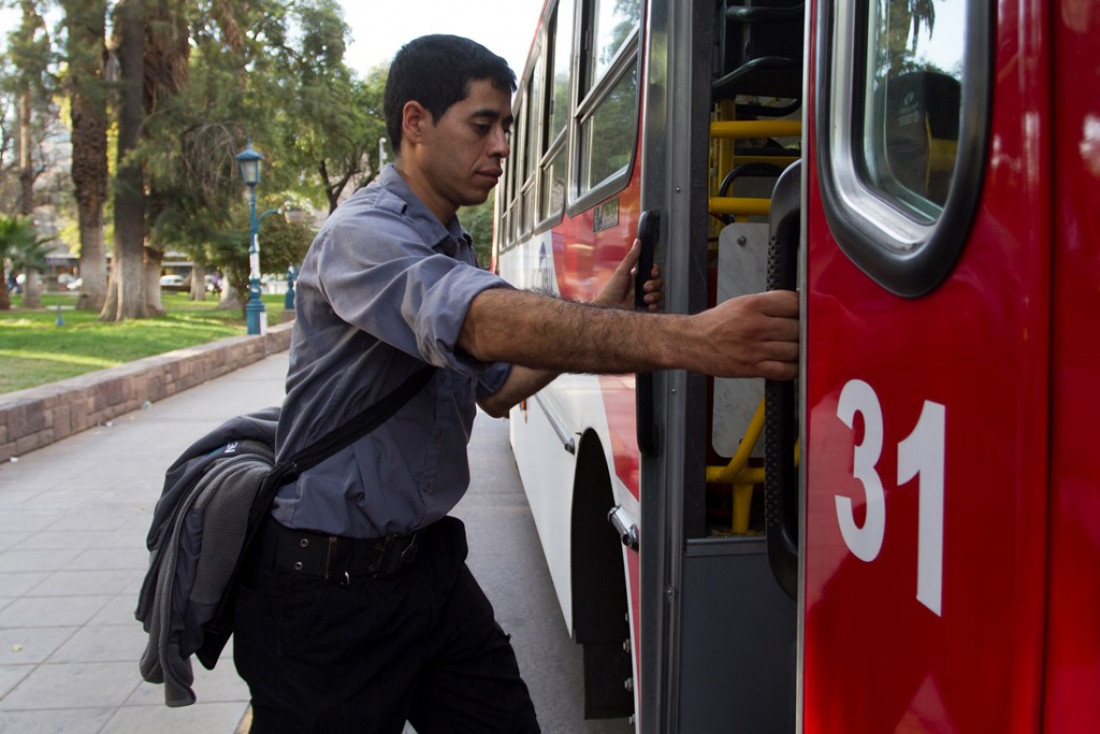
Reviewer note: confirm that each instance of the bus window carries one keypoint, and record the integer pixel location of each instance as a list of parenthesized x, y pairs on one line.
[(520, 143), (605, 150), (612, 23), (559, 66), (911, 118), (553, 185), (609, 98), (906, 115), (561, 46), (532, 146)]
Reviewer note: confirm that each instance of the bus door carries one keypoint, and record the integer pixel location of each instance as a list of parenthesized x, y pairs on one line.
[(722, 125), (926, 368)]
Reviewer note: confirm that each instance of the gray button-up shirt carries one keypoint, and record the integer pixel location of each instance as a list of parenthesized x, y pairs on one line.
[(384, 288)]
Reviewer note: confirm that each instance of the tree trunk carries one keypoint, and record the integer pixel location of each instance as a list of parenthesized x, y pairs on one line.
[(228, 299), (124, 297), (93, 264), (151, 277), (85, 21), (198, 282), (26, 158), (32, 289), (26, 189)]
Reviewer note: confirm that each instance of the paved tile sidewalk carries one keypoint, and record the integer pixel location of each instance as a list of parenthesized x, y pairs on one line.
[(73, 519)]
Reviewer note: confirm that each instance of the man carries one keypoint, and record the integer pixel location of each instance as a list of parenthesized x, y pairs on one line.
[(390, 283)]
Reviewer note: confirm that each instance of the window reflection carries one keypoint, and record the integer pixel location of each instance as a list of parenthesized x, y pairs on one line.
[(613, 20), (532, 144), (606, 144), (913, 100), (560, 64), (553, 185)]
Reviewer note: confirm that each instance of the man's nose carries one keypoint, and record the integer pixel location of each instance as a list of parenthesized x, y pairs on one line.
[(499, 146)]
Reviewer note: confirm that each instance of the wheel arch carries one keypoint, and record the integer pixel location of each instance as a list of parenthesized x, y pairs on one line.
[(600, 622)]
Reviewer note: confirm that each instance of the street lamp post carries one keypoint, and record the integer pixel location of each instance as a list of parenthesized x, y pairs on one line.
[(248, 163)]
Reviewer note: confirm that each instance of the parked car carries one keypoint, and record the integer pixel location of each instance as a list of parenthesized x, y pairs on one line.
[(175, 283)]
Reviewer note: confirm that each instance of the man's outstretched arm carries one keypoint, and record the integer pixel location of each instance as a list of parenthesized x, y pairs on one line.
[(524, 381), (749, 336)]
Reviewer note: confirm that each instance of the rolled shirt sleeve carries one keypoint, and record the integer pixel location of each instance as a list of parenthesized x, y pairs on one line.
[(403, 292)]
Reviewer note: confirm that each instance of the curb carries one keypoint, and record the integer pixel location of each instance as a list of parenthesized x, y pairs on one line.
[(39, 416)]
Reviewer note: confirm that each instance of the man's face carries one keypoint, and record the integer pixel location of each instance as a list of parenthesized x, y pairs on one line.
[(464, 151)]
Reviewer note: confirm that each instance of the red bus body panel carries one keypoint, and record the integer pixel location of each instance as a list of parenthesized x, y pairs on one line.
[(875, 658), (1072, 691)]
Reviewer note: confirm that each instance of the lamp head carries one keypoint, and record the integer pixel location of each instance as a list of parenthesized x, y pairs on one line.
[(248, 163)]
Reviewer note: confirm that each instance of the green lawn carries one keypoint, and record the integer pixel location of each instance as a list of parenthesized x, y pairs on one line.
[(35, 349)]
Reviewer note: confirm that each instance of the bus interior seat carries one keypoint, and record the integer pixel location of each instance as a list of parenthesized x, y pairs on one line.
[(758, 51)]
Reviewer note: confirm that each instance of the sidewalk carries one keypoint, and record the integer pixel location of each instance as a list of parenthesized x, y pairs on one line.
[(73, 520)]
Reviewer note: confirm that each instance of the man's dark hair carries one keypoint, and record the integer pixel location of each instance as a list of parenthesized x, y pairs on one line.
[(436, 71)]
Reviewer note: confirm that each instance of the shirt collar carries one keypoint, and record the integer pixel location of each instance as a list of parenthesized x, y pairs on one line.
[(447, 238)]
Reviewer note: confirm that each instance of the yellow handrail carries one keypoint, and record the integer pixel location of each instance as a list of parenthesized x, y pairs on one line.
[(756, 128), (739, 205), (740, 475), (737, 471)]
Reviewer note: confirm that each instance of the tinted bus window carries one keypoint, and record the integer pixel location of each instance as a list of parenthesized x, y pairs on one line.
[(911, 119), (608, 109), (559, 81), (605, 144), (561, 49), (553, 185), (533, 148), (613, 20), (903, 123)]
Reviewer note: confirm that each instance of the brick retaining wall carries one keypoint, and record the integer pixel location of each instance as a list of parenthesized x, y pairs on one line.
[(33, 418)]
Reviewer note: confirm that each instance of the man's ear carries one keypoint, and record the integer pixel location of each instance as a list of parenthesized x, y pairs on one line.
[(413, 119)]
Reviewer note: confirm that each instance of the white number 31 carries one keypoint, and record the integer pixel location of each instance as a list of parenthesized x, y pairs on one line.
[(920, 454)]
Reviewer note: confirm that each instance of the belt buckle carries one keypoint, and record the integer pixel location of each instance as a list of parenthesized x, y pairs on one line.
[(409, 552), (390, 562)]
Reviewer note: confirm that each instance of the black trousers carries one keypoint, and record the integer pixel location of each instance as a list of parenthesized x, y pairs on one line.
[(364, 657)]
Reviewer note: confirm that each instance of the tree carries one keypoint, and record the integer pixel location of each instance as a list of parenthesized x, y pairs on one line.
[(29, 47), (478, 221), (124, 290), (29, 255), (15, 234), (9, 134), (335, 120), (282, 244), (27, 252), (28, 111), (182, 109), (166, 72), (86, 85), (299, 103), (7, 167), (32, 82)]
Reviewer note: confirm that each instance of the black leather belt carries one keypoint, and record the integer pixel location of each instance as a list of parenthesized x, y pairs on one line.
[(334, 556)]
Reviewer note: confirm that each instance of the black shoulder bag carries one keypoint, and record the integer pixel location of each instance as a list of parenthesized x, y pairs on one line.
[(217, 631)]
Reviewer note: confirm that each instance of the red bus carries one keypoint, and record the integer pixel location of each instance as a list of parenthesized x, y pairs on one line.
[(907, 539)]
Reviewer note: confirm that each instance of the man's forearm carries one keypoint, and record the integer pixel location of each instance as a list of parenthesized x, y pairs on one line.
[(549, 334), (522, 383), (754, 335)]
